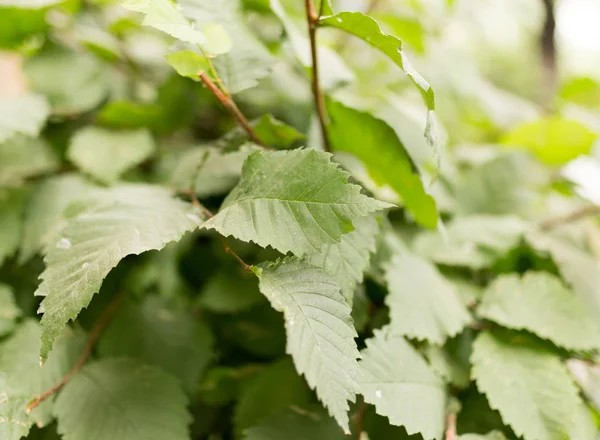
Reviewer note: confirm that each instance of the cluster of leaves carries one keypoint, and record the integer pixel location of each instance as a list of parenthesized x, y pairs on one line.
[(449, 308)]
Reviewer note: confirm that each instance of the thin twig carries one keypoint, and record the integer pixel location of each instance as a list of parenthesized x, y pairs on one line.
[(578, 214), (359, 418), (548, 53), (312, 19), (232, 108), (95, 334), (451, 427)]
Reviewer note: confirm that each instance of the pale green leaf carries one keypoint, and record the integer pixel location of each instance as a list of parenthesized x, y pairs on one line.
[(72, 81), (122, 399), (106, 154), (347, 260), (367, 29), (553, 140), (451, 361), (130, 220), (320, 333), (373, 142), (296, 424), (22, 378), (527, 383), (45, 212), (12, 205), (248, 61), (587, 377), (396, 379), (164, 16), (423, 303), (494, 435), (188, 63), (475, 241), (23, 114), (333, 71), (231, 290), (160, 334), (276, 388), (22, 157), (9, 311), (218, 40), (296, 201), (580, 270), (499, 186), (540, 303)]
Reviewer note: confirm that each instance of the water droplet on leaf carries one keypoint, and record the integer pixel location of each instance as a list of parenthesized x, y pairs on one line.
[(378, 394)]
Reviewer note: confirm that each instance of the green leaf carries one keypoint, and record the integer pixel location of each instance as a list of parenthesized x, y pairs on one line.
[(130, 115), (9, 312), (541, 304), (296, 201), (527, 383), (554, 140), (22, 157), (367, 29), (347, 260), (334, 70), (106, 154), (373, 142), (320, 333), (12, 205), (494, 435), (24, 114), (296, 424), (160, 334), (275, 133), (45, 213), (22, 378), (162, 15), (475, 241), (580, 270), (87, 85), (276, 388), (188, 63), (135, 401), (396, 379), (415, 285), (231, 290), (248, 61), (451, 361), (131, 220)]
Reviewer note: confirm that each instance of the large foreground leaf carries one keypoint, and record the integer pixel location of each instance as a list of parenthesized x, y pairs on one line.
[(347, 261), (527, 383), (24, 114), (121, 399), (130, 220), (396, 379), (376, 144), (22, 378), (540, 303), (320, 333), (294, 201), (423, 304)]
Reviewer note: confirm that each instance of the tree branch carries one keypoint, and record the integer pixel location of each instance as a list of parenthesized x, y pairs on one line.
[(95, 334), (548, 52), (312, 19), (359, 417), (451, 427), (232, 108), (578, 214)]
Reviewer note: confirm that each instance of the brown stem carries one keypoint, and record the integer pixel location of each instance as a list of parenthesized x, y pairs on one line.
[(95, 334), (451, 427), (232, 108), (548, 52), (578, 214), (359, 417), (312, 19)]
